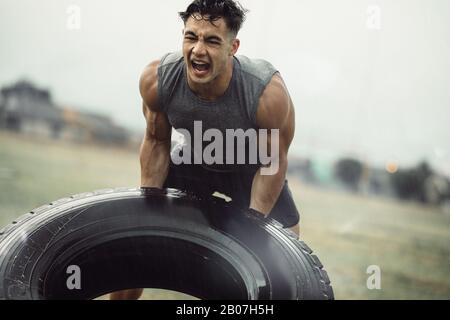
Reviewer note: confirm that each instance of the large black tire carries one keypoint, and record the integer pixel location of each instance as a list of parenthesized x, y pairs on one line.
[(136, 238)]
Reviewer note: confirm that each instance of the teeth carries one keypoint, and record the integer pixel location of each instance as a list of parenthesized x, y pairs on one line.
[(200, 66), (200, 63)]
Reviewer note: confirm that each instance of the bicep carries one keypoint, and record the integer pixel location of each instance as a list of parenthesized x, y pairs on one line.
[(158, 126), (276, 111), (148, 86)]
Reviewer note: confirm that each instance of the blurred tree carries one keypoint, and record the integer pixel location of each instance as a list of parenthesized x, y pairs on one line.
[(410, 183), (349, 172)]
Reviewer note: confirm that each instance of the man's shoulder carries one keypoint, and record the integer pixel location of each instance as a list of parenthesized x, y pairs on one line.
[(250, 60), (149, 75), (171, 58), (170, 69), (148, 83), (275, 104), (152, 70), (261, 69), (154, 77)]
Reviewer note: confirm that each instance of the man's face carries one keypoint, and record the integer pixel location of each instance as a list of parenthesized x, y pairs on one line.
[(207, 48)]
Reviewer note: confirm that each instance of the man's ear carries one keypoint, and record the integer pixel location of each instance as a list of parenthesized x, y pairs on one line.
[(234, 46)]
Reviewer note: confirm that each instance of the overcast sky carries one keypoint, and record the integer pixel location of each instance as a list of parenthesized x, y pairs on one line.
[(368, 78)]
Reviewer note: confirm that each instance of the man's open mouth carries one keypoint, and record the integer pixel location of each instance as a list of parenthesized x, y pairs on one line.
[(200, 66)]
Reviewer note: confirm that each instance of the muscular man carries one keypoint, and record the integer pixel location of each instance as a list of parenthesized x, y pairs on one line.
[(208, 84)]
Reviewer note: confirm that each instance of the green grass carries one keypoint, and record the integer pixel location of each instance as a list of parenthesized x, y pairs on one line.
[(409, 242), (34, 172)]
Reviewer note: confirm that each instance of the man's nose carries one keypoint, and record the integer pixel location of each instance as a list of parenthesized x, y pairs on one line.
[(199, 48)]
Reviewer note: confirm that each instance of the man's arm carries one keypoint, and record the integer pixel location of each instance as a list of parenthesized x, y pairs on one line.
[(155, 148), (275, 111)]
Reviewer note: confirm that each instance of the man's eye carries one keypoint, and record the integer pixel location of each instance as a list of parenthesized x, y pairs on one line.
[(190, 38), (214, 42)]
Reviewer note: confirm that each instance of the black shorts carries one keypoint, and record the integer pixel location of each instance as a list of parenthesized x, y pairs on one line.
[(236, 185)]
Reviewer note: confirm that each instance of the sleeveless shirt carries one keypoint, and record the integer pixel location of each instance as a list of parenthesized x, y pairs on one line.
[(235, 109)]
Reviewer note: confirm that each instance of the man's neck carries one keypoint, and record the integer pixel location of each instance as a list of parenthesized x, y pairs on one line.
[(215, 89)]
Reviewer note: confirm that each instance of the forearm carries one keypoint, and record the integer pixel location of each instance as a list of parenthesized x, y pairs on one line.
[(155, 159), (267, 188)]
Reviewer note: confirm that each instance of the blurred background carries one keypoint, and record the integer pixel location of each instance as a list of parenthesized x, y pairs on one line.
[(370, 161)]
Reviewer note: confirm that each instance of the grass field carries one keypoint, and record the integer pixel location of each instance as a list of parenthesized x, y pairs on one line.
[(409, 242)]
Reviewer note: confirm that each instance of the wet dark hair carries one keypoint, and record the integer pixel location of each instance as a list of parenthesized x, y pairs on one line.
[(212, 10)]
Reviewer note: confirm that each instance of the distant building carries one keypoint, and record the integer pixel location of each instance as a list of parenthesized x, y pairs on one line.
[(27, 109), (85, 126)]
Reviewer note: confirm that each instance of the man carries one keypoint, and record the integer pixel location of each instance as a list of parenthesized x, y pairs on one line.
[(208, 84)]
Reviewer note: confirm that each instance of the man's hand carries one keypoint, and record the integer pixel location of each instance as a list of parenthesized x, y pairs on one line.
[(254, 212), (153, 190)]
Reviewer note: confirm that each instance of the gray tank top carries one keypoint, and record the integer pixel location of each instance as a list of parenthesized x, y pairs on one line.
[(236, 109)]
